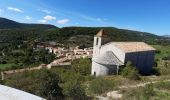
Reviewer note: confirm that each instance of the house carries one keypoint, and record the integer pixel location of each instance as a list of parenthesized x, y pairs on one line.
[(108, 57)]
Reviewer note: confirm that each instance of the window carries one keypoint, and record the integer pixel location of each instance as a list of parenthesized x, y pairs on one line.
[(97, 40)]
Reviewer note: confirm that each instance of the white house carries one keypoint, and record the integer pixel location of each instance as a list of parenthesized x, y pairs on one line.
[(107, 57)]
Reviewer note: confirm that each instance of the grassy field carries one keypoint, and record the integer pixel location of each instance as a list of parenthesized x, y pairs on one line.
[(164, 51), (157, 91)]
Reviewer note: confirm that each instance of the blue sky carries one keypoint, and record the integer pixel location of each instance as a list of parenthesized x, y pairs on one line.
[(142, 15)]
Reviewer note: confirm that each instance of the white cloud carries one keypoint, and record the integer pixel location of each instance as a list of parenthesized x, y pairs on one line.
[(15, 9), (28, 17), (49, 18), (91, 18), (63, 21), (46, 11), (42, 21), (46, 19)]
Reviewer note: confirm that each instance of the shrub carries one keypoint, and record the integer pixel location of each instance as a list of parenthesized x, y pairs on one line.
[(74, 90), (130, 72), (82, 66), (157, 51), (50, 85), (101, 85), (4, 62), (164, 67), (140, 93), (166, 58), (163, 85), (155, 71), (2, 82)]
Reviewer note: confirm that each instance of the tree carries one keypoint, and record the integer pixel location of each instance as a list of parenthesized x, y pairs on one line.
[(82, 66), (50, 85)]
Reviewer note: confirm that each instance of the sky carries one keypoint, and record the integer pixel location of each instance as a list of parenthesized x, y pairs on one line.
[(142, 15)]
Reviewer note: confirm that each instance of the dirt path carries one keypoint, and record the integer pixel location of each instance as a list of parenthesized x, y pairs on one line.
[(118, 95)]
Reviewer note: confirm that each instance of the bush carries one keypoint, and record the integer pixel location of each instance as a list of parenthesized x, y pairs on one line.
[(4, 62), (163, 85), (130, 72), (157, 51), (50, 85), (155, 71), (101, 85), (74, 90), (2, 82), (166, 58), (140, 93), (82, 66), (164, 67)]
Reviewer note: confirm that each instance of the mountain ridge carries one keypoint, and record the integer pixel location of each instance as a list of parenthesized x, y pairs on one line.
[(70, 35), (10, 24)]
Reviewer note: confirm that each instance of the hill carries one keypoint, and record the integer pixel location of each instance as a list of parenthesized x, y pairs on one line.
[(84, 35), (14, 32), (168, 36), (9, 24)]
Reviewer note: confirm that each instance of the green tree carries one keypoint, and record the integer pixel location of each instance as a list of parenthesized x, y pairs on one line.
[(50, 85), (82, 66)]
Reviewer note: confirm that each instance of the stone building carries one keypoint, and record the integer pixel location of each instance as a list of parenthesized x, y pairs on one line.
[(108, 57)]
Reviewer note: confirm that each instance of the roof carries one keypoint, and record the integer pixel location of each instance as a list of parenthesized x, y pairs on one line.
[(8, 93), (101, 33), (133, 46), (107, 58)]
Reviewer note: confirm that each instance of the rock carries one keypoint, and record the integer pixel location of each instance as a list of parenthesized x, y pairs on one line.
[(114, 95)]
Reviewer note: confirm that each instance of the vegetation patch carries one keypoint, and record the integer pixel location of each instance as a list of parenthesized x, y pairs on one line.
[(82, 66), (130, 72), (101, 85), (151, 91)]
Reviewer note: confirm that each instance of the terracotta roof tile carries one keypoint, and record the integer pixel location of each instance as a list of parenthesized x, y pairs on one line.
[(133, 46)]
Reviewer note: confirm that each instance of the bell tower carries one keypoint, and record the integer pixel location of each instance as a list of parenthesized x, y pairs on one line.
[(99, 40)]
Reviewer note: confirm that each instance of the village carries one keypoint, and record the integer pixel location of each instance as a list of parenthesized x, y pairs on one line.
[(65, 56), (84, 50)]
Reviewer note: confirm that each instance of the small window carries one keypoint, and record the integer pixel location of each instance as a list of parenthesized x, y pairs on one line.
[(97, 40)]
